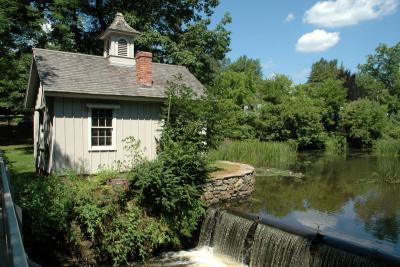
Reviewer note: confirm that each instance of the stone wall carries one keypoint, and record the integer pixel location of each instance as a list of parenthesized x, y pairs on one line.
[(230, 186)]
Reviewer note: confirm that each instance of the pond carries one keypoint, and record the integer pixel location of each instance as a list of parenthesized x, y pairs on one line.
[(340, 196)]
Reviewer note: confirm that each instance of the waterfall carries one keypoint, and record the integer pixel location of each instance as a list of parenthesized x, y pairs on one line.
[(274, 247), (207, 229), (226, 233), (325, 256), (258, 245)]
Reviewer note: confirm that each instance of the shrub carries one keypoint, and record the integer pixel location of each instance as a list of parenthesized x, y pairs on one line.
[(133, 235), (46, 204), (363, 121), (298, 118), (171, 185)]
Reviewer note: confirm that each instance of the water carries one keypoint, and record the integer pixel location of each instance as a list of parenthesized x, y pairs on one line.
[(340, 196), (233, 241), (229, 236), (221, 244), (337, 196), (273, 247)]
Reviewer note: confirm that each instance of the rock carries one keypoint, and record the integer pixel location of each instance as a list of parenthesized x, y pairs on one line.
[(230, 187)]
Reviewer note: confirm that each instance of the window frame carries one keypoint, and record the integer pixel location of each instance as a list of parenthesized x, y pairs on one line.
[(113, 108)]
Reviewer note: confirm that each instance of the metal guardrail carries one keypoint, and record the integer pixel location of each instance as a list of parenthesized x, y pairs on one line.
[(14, 251)]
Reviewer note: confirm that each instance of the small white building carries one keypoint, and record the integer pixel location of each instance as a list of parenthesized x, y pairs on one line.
[(85, 105)]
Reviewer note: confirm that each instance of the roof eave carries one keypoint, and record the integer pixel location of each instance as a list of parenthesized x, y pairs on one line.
[(86, 95), (32, 83), (110, 31)]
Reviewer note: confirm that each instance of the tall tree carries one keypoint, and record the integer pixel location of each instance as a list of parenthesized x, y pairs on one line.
[(246, 65), (177, 32), (384, 66), (20, 29), (323, 70)]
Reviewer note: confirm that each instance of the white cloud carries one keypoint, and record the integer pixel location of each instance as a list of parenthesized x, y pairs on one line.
[(348, 12), (317, 41), (315, 219), (290, 17)]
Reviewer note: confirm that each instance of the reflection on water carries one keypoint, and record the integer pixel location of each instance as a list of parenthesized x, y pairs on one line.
[(338, 196)]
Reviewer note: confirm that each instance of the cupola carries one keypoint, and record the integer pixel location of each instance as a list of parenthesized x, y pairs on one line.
[(119, 42)]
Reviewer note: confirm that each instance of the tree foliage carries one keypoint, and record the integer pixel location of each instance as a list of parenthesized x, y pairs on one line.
[(333, 103), (363, 121), (176, 32), (298, 118), (384, 67)]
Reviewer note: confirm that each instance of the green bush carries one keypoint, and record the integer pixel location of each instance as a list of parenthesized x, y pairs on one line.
[(363, 121), (133, 235), (46, 204), (298, 118), (171, 185)]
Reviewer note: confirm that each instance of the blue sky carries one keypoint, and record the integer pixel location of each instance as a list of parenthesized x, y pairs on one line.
[(287, 36)]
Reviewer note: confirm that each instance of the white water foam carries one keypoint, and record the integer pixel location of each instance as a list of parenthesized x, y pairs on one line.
[(200, 257)]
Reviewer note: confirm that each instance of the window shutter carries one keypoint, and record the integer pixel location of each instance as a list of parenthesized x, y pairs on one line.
[(122, 48)]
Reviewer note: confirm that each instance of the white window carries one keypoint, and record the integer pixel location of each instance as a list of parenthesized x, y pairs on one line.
[(101, 127), (122, 47)]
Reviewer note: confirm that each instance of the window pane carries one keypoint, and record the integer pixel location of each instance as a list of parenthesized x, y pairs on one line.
[(109, 122), (101, 141), (108, 141), (102, 127), (95, 132), (101, 113), (102, 121), (95, 141)]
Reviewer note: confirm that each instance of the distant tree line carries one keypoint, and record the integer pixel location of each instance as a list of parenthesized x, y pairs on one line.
[(333, 106)]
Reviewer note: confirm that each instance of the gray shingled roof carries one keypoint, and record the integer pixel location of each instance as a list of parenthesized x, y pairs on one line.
[(66, 72)]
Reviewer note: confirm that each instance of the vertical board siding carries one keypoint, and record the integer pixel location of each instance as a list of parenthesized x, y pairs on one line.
[(138, 119), (70, 134)]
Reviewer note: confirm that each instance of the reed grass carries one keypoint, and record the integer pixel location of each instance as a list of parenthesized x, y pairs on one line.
[(256, 153), (387, 147), (335, 145), (388, 170)]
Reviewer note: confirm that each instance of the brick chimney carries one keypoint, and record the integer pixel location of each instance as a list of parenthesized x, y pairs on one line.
[(144, 74)]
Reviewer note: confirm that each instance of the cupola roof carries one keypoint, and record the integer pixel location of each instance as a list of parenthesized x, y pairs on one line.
[(119, 25)]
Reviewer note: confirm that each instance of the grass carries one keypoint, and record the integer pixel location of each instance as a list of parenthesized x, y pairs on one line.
[(256, 153), (387, 147), (335, 145), (388, 170), (19, 159), (220, 168)]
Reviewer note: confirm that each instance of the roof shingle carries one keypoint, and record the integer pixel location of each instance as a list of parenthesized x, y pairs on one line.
[(66, 72)]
